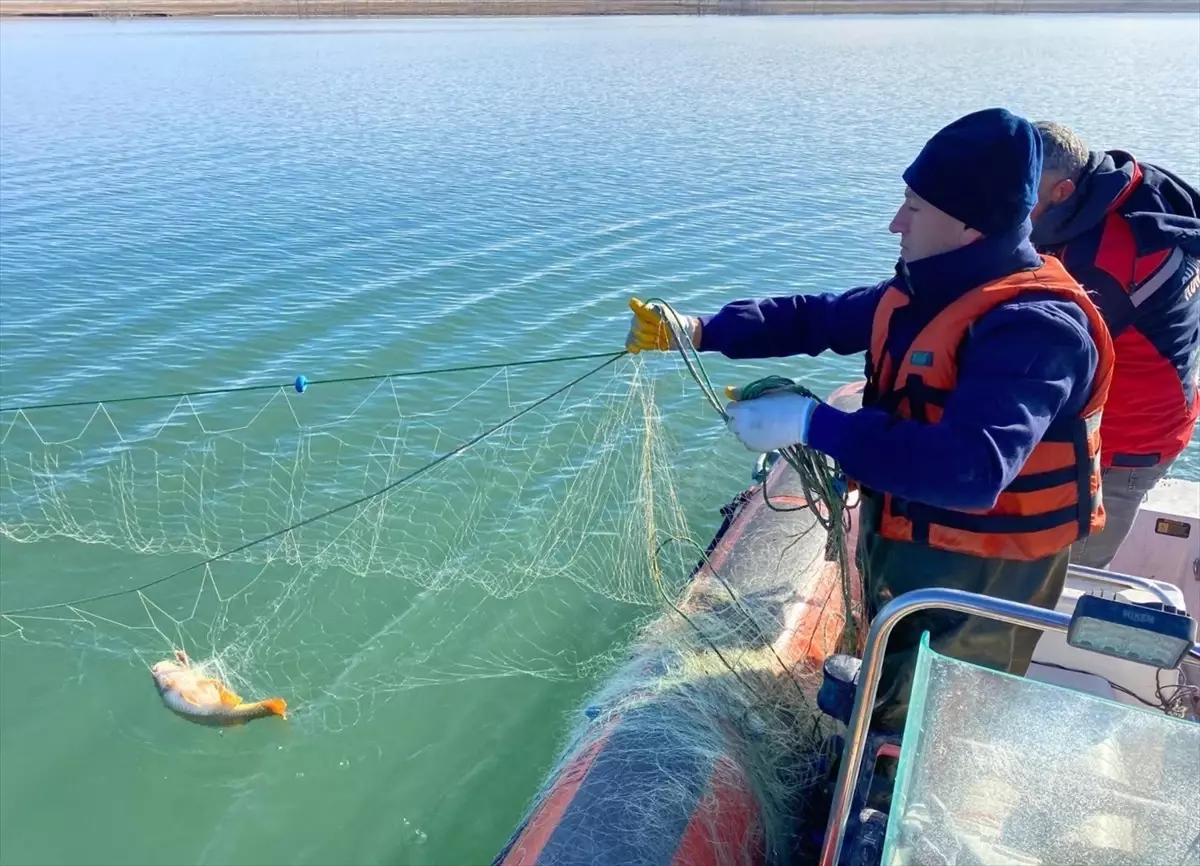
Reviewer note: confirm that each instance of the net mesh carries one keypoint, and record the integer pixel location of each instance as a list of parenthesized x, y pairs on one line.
[(188, 483), (466, 571), (505, 518)]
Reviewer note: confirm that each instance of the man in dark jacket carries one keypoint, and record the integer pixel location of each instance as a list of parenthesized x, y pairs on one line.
[(1030, 361), (1129, 232)]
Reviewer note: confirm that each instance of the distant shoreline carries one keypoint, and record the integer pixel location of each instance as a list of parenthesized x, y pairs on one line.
[(117, 9)]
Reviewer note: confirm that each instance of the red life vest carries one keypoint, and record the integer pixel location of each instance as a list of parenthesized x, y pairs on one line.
[(1055, 499), (1150, 419)]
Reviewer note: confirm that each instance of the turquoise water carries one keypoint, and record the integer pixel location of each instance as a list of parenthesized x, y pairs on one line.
[(186, 205)]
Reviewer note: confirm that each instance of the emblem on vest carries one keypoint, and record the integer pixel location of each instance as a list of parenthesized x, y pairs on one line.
[(1192, 287), (922, 359)]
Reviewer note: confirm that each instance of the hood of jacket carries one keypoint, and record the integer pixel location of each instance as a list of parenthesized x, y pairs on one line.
[(1163, 212)]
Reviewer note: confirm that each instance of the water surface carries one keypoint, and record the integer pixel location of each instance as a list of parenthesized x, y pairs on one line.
[(187, 204)]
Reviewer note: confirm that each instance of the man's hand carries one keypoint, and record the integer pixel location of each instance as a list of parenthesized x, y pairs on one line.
[(649, 330), (772, 421)]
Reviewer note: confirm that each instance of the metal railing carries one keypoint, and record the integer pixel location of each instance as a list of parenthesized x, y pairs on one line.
[(1113, 578), (1011, 612)]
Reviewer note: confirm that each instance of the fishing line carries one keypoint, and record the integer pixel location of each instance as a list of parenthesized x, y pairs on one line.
[(301, 383), (329, 512)]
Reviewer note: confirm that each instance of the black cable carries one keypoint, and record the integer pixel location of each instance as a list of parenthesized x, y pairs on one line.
[(1117, 686)]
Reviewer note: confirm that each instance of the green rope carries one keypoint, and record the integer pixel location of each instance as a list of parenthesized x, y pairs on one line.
[(822, 482), (690, 355), (370, 377)]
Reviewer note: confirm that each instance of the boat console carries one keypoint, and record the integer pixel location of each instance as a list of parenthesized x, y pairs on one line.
[(1032, 770)]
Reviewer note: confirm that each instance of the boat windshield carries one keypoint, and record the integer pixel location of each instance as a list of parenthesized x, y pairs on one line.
[(1001, 769)]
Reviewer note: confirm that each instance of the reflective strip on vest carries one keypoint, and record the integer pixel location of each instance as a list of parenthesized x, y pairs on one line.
[(1055, 499), (1158, 279)]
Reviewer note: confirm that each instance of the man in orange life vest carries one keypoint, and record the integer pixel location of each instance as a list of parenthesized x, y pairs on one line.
[(1129, 231), (977, 446)]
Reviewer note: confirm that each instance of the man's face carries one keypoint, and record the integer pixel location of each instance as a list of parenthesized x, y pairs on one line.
[(926, 231), (1052, 190)]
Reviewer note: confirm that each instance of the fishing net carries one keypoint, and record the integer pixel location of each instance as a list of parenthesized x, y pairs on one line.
[(705, 745), (465, 567), (541, 507)]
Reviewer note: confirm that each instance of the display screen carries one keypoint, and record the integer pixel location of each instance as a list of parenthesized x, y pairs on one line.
[(1149, 634), (1128, 643)]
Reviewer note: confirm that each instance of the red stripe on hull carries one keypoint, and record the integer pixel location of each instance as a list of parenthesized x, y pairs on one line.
[(543, 824), (725, 821)]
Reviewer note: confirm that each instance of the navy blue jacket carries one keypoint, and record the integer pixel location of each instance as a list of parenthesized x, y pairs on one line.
[(1146, 283), (1027, 364)]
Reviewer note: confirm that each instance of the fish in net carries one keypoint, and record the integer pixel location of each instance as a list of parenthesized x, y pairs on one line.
[(467, 570)]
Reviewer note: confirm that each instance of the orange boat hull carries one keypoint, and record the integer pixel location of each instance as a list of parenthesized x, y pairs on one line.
[(661, 771)]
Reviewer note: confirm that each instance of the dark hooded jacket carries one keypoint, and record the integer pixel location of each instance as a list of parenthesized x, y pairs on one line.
[(1130, 234)]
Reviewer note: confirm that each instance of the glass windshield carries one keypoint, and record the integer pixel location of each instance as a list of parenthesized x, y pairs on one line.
[(1001, 769)]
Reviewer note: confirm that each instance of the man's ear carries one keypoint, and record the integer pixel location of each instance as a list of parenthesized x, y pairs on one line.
[(1062, 190)]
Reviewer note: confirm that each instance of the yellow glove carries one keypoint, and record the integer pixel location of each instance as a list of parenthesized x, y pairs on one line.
[(649, 331)]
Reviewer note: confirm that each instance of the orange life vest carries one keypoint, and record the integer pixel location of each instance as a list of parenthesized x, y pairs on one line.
[(1055, 499)]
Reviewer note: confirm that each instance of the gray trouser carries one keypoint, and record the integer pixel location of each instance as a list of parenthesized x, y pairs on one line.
[(1123, 490)]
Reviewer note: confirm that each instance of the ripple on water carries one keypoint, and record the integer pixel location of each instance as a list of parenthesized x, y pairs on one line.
[(180, 211)]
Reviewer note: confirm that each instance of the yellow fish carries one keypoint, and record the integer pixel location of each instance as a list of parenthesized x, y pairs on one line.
[(187, 691)]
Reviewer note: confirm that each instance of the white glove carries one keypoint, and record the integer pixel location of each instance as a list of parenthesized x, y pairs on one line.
[(772, 421)]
